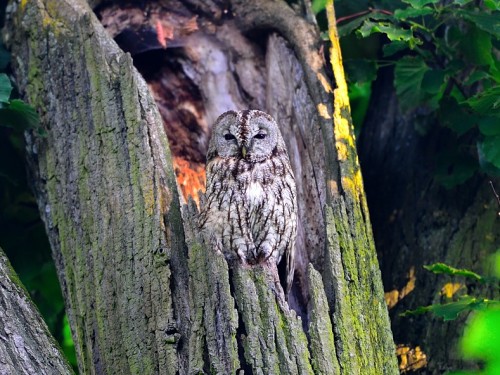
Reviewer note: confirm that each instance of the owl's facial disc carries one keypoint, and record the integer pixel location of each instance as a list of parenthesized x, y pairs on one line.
[(250, 135)]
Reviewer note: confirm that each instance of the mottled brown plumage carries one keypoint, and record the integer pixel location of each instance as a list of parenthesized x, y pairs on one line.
[(250, 205)]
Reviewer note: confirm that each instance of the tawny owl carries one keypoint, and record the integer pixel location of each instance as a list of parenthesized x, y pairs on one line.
[(250, 203)]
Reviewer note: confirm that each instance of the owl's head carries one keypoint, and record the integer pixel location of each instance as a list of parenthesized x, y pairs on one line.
[(251, 135)]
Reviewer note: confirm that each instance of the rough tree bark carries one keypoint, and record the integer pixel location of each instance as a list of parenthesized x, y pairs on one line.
[(418, 222), (26, 345), (144, 293)]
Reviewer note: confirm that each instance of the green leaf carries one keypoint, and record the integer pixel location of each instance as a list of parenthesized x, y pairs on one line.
[(418, 4), (394, 47), (476, 76), (492, 4), (318, 5), (481, 338), (497, 264), (5, 88), (486, 102), (495, 71), (394, 33), (489, 151), (408, 76), (441, 268), (454, 67), (476, 46), (450, 311), (485, 21), (19, 115), (418, 311), (403, 14), (434, 85), (349, 27), (433, 81), (489, 126), (455, 116)]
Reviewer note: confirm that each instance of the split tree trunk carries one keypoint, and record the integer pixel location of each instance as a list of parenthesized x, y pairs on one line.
[(26, 345), (418, 222), (144, 293)]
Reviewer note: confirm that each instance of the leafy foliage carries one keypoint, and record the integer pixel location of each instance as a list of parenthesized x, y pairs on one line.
[(481, 339), (318, 5), (441, 268), (445, 59), (14, 113), (451, 310)]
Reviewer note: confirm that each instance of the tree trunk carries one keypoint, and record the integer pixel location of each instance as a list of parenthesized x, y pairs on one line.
[(144, 293), (418, 222), (26, 345)]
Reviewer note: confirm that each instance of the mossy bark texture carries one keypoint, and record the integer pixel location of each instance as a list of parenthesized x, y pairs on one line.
[(145, 294), (26, 345)]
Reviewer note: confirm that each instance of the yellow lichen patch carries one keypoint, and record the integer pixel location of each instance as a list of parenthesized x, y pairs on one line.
[(336, 61), (344, 135), (324, 82), (335, 55), (342, 151), (353, 184), (343, 129), (23, 5), (344, 140), (341, 98), (323, 111), (449, 289), (52, 19), (410, 359), (46, 21), (394, 296)]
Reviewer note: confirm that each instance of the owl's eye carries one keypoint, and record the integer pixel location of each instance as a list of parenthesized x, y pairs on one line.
[(260, 136), (229, 136)]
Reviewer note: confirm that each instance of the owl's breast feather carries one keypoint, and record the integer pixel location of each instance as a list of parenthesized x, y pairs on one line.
[(254, 192)]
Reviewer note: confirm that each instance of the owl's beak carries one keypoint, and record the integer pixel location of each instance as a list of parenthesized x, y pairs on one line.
[(243, 151)]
